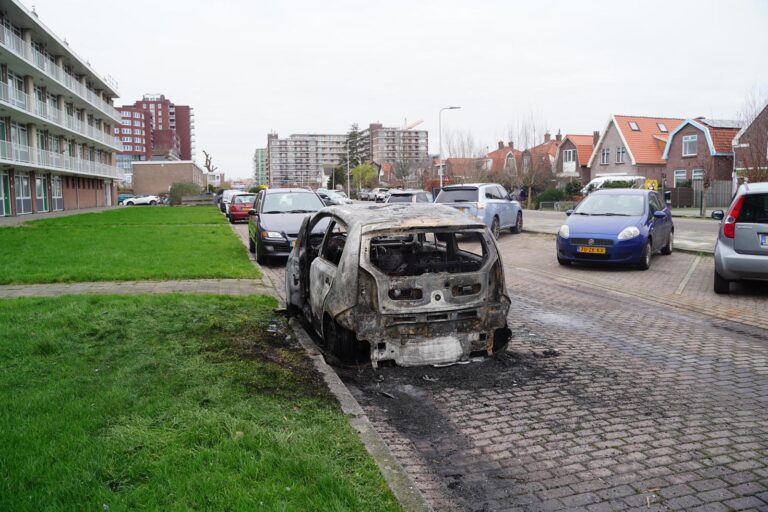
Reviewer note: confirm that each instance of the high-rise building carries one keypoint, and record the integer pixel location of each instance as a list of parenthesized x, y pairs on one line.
[(172, 126), (381, 144), (260, 167), (135, 134), (57, 146), (303, 159)]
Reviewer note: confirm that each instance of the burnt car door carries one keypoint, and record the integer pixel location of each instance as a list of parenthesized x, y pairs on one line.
[(323, 270), (294, 280)]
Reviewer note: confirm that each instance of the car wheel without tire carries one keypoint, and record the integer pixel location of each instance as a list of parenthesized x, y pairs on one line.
[(518, 227), (495, 229), (667, 249), (645, 258), (563, 262), (338, 340), (722, 285)]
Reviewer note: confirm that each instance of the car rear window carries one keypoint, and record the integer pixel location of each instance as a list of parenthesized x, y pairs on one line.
[(754, 209), (457, 195), (401, 198), (245, 199)]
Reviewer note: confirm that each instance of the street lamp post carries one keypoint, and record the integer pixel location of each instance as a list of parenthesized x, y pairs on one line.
[(348, 194), (440, 141)]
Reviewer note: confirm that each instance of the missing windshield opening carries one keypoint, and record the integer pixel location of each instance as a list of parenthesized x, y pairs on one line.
[(415, 254)]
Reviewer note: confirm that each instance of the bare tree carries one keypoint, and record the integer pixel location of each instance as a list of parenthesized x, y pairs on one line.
[(536, 171), (751, 154), (462, 144), (209, 163)]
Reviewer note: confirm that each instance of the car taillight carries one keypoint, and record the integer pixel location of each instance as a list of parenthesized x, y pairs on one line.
[(729, 224), (367, 290)]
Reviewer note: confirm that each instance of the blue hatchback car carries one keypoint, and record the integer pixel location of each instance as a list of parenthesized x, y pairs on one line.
[(616, 226)]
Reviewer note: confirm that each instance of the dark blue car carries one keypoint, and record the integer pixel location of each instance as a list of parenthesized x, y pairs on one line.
[(616, 226)]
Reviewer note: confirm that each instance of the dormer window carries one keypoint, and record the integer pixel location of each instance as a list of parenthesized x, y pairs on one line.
[(662, 127), (634, 127)]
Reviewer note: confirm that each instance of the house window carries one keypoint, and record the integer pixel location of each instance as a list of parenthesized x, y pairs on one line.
[(605, 156), (620, 152), (698, 174), (634, 127), (662, 127), (680, 175), (569, 155), (689, 145)]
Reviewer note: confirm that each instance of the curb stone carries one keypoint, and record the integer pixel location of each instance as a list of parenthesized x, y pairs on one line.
[(401, 485)]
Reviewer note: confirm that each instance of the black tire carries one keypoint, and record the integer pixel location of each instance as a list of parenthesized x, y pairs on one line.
[(338, 340), (667, 249), (495, 228), (645, 259), (722, 285), (231, 219), (129, 203), (251, 245), (563, 262), (153, 202), (518, 227), (261, 259)]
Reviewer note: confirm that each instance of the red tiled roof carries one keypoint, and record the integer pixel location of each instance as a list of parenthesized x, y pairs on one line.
[(546, 148), (646, 144), (499, 156), (584, 146), (722, 138)]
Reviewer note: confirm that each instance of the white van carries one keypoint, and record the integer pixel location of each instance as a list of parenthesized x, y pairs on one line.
[(600, 181)]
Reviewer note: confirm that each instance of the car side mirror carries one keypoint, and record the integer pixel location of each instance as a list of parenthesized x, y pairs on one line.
[(569, 212), (253, 213), (718, 214), (660, 214)]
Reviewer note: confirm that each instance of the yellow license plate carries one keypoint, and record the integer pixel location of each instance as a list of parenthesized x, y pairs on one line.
[(591, 250)]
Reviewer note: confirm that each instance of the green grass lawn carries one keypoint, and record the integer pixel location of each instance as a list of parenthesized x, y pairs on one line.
[(170, 402), (124, 244)]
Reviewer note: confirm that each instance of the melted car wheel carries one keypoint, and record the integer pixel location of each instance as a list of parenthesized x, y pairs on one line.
[(339, 341)]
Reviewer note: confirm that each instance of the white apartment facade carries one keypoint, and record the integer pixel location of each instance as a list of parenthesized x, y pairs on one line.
[(57, 147), (303, 159)]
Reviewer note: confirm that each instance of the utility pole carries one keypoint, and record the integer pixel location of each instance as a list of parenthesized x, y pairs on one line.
[(348, 193), (441, 169)]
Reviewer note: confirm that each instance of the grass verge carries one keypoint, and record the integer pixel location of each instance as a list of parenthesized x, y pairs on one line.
[(169, 402), (125, 244)]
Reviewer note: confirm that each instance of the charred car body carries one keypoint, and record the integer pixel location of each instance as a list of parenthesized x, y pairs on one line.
[(414, 284)]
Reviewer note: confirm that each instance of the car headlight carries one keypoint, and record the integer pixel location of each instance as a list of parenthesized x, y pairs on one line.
[(271, 234), (630, 232), (565, 231)]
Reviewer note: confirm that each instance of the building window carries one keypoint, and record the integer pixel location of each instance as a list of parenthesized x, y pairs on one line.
[(662, 127), (680, 176), (605, 156), (137, 123), (137, 115), (569, 155), (620, 153), (698, 174), (127, 148), (634, 127), (125, 114), (23, 194), (58, 196), (41, 193), (127, 130), (5, 195), (689, 145)]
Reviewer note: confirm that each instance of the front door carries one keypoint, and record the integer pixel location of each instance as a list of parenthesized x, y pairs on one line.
[(107, 193), (5, 196), (23, 190), (41, 193)]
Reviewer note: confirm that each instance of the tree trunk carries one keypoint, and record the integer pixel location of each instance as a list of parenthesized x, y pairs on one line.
[(704, 202), (530, 192)]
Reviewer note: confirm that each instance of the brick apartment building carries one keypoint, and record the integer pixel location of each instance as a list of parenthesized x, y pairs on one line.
[(135, 134), (156, 177), (57, 147)]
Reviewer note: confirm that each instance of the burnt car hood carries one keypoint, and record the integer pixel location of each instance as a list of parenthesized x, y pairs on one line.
[(287, 223)]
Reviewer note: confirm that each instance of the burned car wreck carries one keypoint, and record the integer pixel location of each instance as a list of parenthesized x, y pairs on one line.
[(409, 283)]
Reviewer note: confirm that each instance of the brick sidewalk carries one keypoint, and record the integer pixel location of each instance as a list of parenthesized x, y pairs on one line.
[(210, 286)]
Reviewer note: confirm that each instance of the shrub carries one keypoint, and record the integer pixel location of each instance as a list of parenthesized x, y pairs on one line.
[(551, 194), (572, 188), (179, 190), (618, 184)]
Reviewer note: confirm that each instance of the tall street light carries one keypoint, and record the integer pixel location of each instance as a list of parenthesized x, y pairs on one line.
[(440, 142)]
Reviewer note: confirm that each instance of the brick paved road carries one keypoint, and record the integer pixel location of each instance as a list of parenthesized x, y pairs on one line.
[(657, 399)]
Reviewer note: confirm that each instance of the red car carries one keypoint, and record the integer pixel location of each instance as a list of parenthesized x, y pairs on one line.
[(240, 206)]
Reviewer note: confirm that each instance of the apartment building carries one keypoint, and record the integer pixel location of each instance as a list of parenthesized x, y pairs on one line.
[(382, 144), (172, 126), (135, 134), (260, 166), (57, 146), (303, 159)]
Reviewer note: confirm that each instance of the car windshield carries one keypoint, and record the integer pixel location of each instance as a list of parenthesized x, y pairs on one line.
[(401, 198), (245, 199), (457, 195), (612, 204), (292, 202)]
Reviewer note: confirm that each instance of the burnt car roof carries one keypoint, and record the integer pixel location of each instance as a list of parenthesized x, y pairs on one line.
[(401, 215)]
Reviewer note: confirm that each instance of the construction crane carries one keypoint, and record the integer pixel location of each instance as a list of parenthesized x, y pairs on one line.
[(407, 126)]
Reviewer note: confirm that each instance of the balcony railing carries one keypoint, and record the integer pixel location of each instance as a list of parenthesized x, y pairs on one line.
[(20, 48), (19, 153), (23, 101)]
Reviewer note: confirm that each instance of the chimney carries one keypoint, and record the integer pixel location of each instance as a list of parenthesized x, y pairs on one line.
[(547, 137), (558, 137), (511, 145), (595, 138), (501, 144)]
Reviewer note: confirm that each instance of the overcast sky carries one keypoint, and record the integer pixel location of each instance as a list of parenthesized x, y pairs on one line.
[(249, 67)]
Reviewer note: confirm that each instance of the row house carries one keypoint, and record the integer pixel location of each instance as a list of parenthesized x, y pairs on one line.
[(572, 158), (504, 161), (750, 145), (57, 146), (541, 157)]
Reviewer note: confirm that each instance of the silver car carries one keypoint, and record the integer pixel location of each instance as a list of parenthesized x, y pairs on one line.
[(411, 283), (741, 252)]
